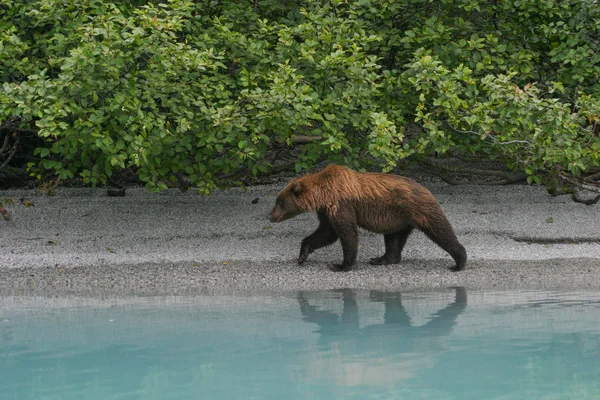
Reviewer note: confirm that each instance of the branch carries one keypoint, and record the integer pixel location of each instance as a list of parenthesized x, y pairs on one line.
[(244, 171), (443, 171), (12, 153), (305, 139), (460, 130), (10, 128), (592, 177), (513, 142), (279, 168), (13, 176), (489, 136), (4, 145), (580, 184), (591, 186)]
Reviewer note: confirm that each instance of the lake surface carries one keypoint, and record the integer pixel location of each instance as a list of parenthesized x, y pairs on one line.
[(343, 344)]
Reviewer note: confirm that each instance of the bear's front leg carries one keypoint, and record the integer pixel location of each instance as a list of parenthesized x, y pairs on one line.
[(305, 250), (323, 236)]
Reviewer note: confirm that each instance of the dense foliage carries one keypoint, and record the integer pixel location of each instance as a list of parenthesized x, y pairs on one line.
[(213, 89)]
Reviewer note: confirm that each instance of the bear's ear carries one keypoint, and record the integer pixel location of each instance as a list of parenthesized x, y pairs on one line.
[(296, 188)]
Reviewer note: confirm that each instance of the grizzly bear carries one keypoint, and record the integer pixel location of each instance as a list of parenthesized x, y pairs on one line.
[(383, 203)]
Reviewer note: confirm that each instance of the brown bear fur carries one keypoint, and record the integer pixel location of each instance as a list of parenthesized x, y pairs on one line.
[(383, 203)]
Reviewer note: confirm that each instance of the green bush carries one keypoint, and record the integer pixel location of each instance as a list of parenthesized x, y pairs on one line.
[(493, 116), (211, 89)]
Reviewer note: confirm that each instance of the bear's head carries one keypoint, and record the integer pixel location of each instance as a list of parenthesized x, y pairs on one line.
[(287, 204)]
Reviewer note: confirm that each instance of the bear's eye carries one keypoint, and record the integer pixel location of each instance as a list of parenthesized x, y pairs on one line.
[(281, 202)]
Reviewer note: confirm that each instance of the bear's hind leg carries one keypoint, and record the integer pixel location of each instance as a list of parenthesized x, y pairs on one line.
[(443, 235), (394, 244), (346, 228)]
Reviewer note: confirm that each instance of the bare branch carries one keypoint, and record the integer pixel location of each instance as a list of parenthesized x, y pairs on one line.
[(461, 131), (582, 184), (301, 139), (513, 142), (592, 177), (305, 139), (493, 139), (444, 172), (13, 151), (587, 185), (4, 145)]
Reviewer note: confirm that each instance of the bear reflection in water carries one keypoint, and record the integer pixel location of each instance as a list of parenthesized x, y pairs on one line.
[(353, 352)]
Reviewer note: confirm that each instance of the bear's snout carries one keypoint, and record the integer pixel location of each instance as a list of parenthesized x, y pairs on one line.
[(273, 217)]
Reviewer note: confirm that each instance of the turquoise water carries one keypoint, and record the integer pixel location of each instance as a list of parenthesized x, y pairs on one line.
[(448, 344)]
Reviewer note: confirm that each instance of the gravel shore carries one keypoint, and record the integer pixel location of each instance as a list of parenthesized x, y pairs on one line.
[(82, 241)]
